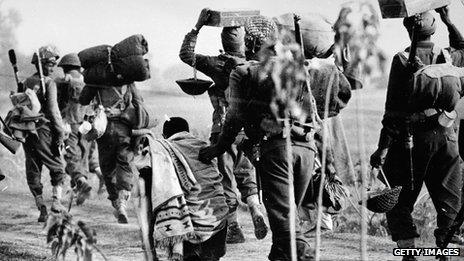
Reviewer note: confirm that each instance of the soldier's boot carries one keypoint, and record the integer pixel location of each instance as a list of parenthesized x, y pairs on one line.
[(257, 217), (234, 232), (57, 192), (83, 190), (407, 243), (39, 202), (101, 181), (120, 205)]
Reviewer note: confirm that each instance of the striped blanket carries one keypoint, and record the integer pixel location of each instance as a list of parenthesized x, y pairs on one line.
[(181, 209)]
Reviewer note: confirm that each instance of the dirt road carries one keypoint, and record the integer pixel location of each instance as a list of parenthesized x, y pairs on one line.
[(22, 238)]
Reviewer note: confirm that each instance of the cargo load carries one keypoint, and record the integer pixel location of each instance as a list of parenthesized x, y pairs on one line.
[(316, 30), (118, 65)]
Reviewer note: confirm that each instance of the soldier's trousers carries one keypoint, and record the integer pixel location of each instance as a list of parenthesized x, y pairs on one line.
[(92, 158), (435, 161), (116, 158), (233, 165), (37, 150), (273, 170), (77, 150)]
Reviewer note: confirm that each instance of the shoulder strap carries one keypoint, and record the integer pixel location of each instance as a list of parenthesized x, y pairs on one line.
[(436, 51)]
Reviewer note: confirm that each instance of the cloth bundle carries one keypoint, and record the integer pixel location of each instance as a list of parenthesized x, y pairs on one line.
[(324, 74), (121, 64), (316, 31), (180, 212), (22, 119)]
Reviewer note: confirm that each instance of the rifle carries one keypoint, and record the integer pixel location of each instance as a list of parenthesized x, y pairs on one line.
[(12, 56), (409, 144), (42, 80), (7, 139), (299, 40)]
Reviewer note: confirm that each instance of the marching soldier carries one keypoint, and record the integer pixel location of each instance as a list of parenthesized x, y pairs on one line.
[(114, 150), (232, 164), (434, 155), (249, 107), (45, 147), (77, 148)]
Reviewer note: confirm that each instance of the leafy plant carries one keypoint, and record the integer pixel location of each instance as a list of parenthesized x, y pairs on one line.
[(64, 234)]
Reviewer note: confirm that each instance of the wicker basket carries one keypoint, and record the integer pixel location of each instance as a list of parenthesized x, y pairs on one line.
[(194, 86), (383, 201)]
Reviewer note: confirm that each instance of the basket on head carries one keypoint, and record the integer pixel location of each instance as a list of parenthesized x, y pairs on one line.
[(194, 86), (383, 201)]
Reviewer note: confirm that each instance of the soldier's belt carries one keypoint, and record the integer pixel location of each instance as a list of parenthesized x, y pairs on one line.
[(415, 117)]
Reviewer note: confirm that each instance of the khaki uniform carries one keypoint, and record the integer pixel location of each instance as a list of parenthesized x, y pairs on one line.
[(232, 164), (50, 132), (114, 151), (77, 148)]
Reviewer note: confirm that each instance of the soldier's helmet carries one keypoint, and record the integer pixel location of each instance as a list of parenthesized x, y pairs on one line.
[(70, 59), (48, 54)]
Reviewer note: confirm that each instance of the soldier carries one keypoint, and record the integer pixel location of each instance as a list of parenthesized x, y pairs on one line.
[(232, 163), (434, 156), (114, 149), (45, 147), (77, 148), (249, 108), (456, 49)]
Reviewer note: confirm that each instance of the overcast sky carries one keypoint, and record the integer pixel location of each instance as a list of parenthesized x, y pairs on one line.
[(73, 25)]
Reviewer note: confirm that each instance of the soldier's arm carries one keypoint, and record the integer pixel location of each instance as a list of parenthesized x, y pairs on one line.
[(456, 39), (203, 63), (395, 84), (87, 95), (235, 115), (53, 109)]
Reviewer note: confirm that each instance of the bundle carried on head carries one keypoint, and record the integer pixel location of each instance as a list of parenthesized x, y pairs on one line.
[(316, 30), (118, 65)]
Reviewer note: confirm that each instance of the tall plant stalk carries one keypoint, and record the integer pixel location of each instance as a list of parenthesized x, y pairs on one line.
[(363, 173), (323, 167), (291, 189), (357, 30)]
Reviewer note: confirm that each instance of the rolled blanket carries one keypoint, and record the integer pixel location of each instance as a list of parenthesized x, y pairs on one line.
[(132, 45), (94, 55), (124, 71)]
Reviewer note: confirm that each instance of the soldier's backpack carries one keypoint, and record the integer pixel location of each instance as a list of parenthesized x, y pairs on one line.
[(438, 85)]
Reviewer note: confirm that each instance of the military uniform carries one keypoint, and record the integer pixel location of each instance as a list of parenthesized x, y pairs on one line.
[(435, 157), (114, 147), (233, 165), (77, 147), (247, 110), (42, 149)]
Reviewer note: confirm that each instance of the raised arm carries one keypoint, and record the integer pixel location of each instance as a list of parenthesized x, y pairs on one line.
[(456, 40)]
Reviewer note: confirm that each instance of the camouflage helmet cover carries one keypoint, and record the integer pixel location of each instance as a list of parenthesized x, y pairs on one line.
[(48, 53), (70, 59)]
